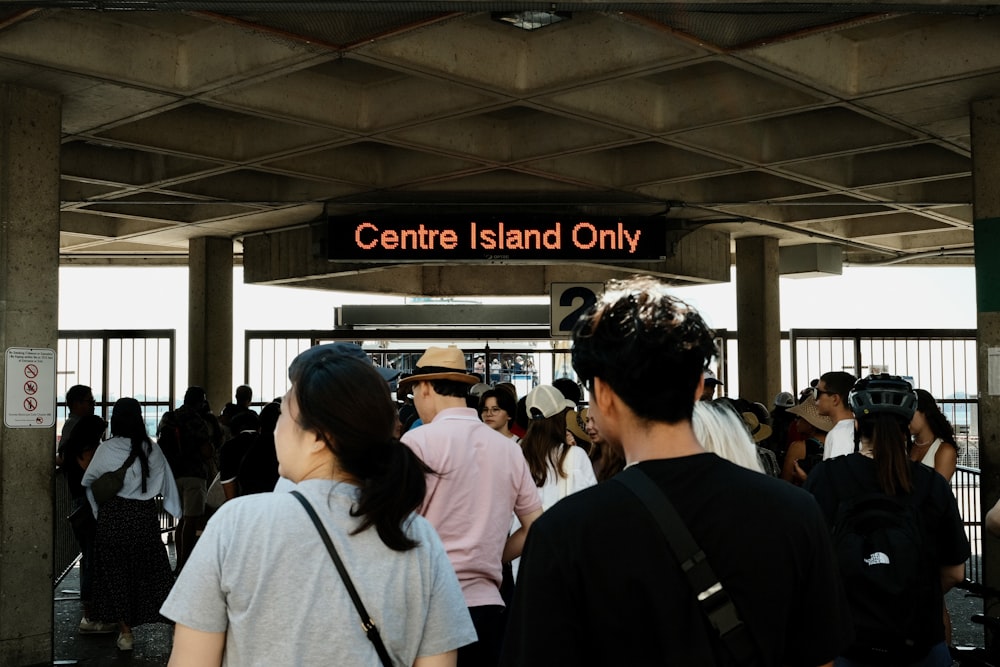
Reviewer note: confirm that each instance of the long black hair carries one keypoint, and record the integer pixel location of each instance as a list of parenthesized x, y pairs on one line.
[(889, 436), (127, 422), (347, 403), (938, 423)]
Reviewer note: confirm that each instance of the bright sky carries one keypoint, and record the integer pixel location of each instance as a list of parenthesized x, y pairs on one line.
[(156, 298)]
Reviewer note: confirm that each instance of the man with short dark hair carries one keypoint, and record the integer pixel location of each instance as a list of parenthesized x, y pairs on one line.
[(599, 584), (831, 394), (482, 482)]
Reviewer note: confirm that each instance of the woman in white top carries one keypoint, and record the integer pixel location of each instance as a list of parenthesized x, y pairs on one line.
[(933, 437), (558, 469), (132, 574), (261, 587)]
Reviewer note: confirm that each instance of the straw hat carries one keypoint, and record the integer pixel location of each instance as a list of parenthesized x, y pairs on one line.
[(441, 363), (807, 410), (576, 423), (758, 431)]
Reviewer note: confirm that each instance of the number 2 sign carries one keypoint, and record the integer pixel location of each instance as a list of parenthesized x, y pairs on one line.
[(568, 302)]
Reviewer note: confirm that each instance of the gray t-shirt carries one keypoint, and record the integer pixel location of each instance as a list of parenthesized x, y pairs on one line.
[(261, 574)]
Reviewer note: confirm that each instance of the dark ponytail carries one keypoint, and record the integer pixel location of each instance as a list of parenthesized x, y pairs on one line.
[(347, 402), (127, 422), (889, 436)]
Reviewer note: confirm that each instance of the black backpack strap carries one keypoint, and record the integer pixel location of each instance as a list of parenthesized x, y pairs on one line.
[(712, 598), (366, 620)]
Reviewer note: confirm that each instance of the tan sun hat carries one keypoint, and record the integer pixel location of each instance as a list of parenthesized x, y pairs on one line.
[(807, 410), (576, 422), (441, 363), (758, 431)]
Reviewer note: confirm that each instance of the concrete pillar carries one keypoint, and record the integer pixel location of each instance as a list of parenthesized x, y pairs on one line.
[(210, 318), (30, 126), (758, 319), (985, 121)]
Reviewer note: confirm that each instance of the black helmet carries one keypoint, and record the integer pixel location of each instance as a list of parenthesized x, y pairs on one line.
[(883, 393)]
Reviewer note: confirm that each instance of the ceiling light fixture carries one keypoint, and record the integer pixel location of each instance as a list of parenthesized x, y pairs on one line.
[(531, 19)]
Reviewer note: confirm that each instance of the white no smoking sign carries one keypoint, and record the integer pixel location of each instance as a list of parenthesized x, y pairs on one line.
[(30, 388)]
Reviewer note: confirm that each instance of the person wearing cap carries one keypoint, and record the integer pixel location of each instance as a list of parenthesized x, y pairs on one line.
[(813, 428), (711, 383), (484, 481), (558, 469), (598, 583), (831, 393)]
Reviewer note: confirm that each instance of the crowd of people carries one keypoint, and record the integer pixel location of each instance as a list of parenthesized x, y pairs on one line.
[(633, 517)]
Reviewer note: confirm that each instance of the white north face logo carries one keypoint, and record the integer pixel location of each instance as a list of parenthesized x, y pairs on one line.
[(877, 558)]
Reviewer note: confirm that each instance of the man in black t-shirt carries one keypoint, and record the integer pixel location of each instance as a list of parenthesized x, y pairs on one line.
[(598, 583)]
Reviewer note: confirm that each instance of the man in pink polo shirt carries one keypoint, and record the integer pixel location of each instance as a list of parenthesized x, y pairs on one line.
[(482, 481)]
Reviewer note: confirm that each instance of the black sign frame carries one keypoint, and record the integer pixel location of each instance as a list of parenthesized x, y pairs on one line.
[(491, 238)]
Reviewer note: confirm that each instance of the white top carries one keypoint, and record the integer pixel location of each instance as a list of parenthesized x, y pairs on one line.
[(262, 575), (928, 459), (840, 439), (579, 475), (111, 454)]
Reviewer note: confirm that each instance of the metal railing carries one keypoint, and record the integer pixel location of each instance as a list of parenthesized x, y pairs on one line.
[(965, 485)]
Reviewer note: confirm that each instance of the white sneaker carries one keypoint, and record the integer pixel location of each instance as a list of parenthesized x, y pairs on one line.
[(125, 641), (88, 626)]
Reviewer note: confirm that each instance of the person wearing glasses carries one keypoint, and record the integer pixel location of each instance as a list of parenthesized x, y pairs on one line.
[(497, 408), (599, 583), (831, 394)]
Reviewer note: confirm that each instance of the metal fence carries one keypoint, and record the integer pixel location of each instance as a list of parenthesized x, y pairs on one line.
[(965, 485)]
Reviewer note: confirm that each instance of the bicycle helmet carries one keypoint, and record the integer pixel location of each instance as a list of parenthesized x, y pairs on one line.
[(883, 393)]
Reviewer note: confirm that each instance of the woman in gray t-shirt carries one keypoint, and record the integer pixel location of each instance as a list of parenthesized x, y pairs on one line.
[(261, 588)]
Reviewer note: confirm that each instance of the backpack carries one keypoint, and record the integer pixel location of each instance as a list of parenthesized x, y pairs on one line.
[(885, 560), (186, 442)]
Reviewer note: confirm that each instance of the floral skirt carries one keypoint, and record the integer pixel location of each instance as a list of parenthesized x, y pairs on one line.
[(132, 576)]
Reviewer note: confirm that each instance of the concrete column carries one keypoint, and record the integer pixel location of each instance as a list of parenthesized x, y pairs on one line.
[(985, 121), (30, 126), (758, 319), (210, 318)]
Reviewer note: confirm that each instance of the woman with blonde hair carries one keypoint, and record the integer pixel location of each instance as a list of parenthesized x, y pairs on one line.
[(721, 431)]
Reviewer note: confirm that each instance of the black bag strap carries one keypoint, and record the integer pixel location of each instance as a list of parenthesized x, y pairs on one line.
[(366, 620), (713, 600)]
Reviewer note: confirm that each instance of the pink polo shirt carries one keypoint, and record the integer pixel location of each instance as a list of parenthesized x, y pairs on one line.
[(483, 481)]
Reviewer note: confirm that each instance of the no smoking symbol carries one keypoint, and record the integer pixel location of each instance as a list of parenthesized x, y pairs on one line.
[(30, 387), (31, 371), (30, 404)]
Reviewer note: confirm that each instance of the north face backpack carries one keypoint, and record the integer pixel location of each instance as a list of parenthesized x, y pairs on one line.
[(886, 565)]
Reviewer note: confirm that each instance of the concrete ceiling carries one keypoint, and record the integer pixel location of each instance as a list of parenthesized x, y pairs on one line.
[(810, 122)]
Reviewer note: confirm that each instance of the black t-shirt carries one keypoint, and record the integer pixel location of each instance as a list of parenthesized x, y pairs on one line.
[(598, 585), (232, 453), (251, 461), (946, 541)]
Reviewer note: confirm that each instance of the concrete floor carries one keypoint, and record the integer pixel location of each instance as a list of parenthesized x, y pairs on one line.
[(152, 642)]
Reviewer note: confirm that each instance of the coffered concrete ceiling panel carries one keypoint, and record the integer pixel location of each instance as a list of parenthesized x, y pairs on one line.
[(203, 131), (511, 135), (649, 162), (371, 165), (820, 132), (819, 122), (923, 162)]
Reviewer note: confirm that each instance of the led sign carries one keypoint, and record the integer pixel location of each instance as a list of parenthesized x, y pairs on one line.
[(491, 238)]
